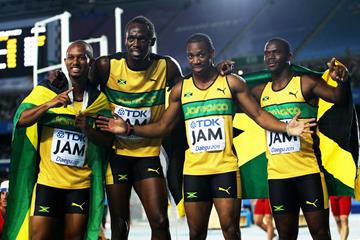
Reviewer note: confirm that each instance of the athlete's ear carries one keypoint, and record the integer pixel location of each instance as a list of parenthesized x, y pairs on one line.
[(290, 57), (152, 41)]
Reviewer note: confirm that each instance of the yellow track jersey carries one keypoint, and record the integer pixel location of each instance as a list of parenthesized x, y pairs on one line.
[(289, 156), (208, 118), (139, 98), (62, 152)]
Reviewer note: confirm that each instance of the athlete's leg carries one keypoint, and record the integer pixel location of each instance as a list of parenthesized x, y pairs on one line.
[(43, 228), (197, 215), (228, 210), (269, 226), (285, 207), (287, 225), (153, 196), (119, 207), (75, 226), (318, 224), (259, 214), (315, 204), (344, 232), (76, 211)]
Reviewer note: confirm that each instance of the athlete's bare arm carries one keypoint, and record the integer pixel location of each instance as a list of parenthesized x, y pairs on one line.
[(152, 130), (173, 72), (31, 116), (257, 91), (250, 106), (315, 87)]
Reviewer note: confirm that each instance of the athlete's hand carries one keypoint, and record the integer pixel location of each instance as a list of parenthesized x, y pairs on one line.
[(80, 122), (60, 100), (225, 67), (298, 128), (60, 80), (114, 125), (338, 71)]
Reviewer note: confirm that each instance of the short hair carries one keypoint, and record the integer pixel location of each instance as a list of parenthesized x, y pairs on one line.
[(201, 37), (142, 20), (285, 44), (88, 48)]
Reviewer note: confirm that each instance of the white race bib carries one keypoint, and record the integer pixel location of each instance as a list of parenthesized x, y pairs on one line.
[(206, 134), (278, 143), (134, 116), (68, 147)]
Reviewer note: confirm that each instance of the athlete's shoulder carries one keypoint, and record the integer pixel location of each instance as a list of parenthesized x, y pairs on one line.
[(117, 56)]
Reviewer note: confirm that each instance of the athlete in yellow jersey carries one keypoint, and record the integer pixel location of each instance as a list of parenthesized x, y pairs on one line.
[(134, 82), (294, 171), (211, 174), (62, 193)]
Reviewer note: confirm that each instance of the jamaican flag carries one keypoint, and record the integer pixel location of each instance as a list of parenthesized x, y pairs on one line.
[(24, 160), (337, 130)]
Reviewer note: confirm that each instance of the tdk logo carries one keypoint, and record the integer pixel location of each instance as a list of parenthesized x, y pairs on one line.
[(205, 123), (132, 113)]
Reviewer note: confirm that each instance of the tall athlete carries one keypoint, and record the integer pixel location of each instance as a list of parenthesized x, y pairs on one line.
[(211, 173), (294, 174), (66, 149), (135, 82)]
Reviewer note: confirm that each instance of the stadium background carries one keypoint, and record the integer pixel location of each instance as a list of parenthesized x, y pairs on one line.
[(317, 30)]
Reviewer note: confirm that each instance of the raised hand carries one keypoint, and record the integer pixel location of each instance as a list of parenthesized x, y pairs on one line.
[(114, 125), (61, 100), (225, 67), (338, 71), (298, 128), (59, 80)]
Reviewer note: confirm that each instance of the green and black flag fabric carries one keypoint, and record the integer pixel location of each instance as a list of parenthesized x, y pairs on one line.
[(337, 130), (24, 161)]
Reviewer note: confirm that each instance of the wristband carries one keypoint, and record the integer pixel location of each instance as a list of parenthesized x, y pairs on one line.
[(129, 129)]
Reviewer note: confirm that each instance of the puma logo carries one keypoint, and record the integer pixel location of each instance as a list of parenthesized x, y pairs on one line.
[(78, 205), (154, 170), (221, 90), (224, 190), (152, 80), (312, 203), (294, 94)]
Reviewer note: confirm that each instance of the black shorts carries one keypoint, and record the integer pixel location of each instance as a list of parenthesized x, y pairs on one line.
[(307, 192), (206, 187), (55, 202), (127, 170)]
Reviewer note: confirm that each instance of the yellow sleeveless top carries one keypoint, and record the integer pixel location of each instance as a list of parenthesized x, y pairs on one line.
[(139, 98), (63, 155), (290, 156), (208, 118)]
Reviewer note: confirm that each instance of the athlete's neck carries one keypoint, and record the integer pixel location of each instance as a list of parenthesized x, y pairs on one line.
[(281, 79), (204, 79), (79, 88), (138, 65)]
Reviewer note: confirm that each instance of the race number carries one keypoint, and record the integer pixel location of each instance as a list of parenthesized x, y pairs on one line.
[(206, 134), (68, 147)]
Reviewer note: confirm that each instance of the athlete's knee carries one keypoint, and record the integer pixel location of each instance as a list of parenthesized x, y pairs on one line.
[(258, 221), (231, 231), (198, 234), (159, 223)]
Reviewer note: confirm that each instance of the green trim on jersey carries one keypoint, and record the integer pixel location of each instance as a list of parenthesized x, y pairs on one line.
[(220, 106), (134, 100), (288, 110)]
